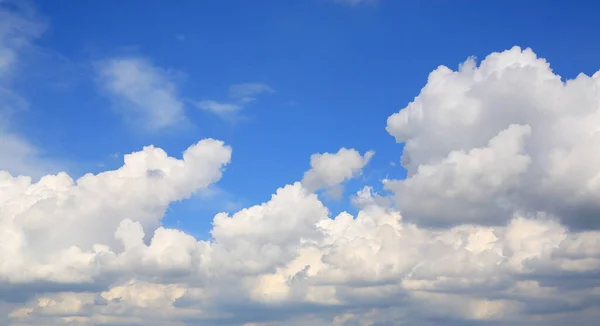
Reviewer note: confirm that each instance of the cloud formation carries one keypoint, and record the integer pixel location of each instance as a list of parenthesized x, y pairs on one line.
[(142, 91), (485, 144), (507, 135)]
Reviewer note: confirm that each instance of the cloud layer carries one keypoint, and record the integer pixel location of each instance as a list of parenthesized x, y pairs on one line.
[(501, 161)]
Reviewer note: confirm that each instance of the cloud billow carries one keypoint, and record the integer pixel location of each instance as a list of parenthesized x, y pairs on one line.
[(507, 135), (500, 159)]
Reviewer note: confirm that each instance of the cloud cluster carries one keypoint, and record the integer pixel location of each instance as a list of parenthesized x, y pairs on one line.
[(501, 161), (280, 261)]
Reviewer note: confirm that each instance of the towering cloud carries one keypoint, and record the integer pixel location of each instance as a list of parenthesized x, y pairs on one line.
[(507, 135)]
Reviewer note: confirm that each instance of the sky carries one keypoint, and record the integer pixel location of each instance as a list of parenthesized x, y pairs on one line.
[(299, 162)]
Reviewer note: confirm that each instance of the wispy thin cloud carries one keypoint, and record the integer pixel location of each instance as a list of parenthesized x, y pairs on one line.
[(246, 91), (227, 111), (354, 3), (142, 90), (239, 96), (218, 107), (19, 28)]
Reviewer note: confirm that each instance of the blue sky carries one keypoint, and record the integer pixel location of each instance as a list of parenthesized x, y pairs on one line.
[(463, 135), (337, 71)]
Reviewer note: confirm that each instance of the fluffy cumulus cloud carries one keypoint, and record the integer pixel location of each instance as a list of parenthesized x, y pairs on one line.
[(507, 135), (495, 155), (330, 170), (142, 91)]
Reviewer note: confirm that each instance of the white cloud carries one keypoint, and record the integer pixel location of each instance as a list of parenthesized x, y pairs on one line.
[(97, 207), (329, 170), (463, 183), (465, 161), (92, 251), (142, 91), (279, 255)]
